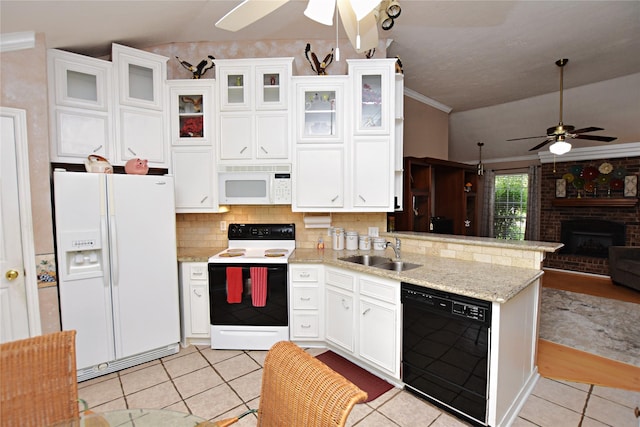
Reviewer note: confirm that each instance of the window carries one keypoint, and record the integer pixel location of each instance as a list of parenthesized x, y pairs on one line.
[(510, 208)]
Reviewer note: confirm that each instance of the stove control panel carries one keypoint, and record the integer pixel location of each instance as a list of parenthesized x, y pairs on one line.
[(261, 232)]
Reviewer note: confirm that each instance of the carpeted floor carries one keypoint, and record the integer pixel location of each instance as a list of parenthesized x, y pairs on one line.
[(600, 326), (374, 386)]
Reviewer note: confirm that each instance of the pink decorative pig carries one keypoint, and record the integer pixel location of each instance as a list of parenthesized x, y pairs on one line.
[(136, 167)]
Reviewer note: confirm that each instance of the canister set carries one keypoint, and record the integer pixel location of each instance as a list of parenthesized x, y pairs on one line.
[(351, 241)]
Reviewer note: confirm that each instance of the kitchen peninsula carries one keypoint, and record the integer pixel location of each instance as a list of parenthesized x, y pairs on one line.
[(505, 274)]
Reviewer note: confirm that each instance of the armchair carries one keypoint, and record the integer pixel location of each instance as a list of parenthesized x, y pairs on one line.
[(624, 265), (38, 383)]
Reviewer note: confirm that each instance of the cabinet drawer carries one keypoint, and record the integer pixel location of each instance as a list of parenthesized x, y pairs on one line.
[(386, 291), (305, 298), (198, 271), (339, 279), (306, 325), (304, 274)]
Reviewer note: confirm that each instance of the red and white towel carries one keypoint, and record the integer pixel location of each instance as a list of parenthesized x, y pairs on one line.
[(258, 286), (234, 285)]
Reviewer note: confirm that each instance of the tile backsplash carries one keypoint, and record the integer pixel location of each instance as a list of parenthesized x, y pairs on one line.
[(204, 230)]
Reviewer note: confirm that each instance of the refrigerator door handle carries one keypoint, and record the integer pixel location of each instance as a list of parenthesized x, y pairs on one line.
[(115, 278)]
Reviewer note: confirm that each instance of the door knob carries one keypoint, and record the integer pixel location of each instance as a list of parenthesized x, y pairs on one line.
[(11, 274)]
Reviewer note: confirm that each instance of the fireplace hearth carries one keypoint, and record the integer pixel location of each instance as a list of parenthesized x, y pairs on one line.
[(590, 237)]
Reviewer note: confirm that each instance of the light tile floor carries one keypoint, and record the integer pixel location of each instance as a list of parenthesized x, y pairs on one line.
[(217, 384)]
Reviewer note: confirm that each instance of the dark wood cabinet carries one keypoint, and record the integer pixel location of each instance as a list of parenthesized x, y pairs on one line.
[(439, 197)]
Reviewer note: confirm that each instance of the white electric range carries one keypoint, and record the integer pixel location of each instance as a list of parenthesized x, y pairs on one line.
[(248, 283)]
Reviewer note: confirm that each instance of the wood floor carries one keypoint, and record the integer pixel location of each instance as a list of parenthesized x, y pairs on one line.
[(564, 363)]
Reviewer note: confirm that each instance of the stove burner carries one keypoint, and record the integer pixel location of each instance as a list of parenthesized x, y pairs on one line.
[(234, 250), (231, 254), (274, 255)]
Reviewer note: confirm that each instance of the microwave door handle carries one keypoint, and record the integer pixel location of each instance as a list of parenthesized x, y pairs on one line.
[(271, 180)]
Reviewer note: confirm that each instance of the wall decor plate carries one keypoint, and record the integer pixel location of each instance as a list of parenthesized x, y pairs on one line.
[(568, 177), (561, 187), (631, 186), (619, 173), (576, 170), (590, 173)]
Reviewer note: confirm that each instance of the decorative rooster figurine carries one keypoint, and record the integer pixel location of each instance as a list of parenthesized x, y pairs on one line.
[(199, 70), (317, 66)]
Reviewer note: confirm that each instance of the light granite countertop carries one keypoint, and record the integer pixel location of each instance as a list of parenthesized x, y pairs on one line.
[(473, 279), (530, 245)]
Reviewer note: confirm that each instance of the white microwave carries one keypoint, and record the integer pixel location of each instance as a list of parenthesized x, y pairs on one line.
[(254, 185)]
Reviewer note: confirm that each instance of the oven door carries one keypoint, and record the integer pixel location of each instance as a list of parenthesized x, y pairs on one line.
[(245, 312)]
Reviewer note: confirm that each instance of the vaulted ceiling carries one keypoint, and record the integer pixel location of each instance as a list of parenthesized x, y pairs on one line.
[(491, 62)]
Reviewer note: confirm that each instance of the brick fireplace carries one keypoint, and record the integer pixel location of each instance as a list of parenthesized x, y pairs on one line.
[(595, 214)]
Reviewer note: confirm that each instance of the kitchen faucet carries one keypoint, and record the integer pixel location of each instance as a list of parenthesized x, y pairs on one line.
[(396, 248)]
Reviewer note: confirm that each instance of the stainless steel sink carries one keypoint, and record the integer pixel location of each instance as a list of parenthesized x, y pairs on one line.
[(380, 262), (369, 260), (397, 266)]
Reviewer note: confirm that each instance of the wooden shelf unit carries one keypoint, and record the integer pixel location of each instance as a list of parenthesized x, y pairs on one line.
[(436, 188)]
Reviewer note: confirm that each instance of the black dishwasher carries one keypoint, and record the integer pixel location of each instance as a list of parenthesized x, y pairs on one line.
[(445, 350)]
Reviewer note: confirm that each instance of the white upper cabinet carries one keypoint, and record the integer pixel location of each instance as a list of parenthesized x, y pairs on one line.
[(112, 109), (320, 109), (141, 122), (254, 118), (373, 94), (81, 106)]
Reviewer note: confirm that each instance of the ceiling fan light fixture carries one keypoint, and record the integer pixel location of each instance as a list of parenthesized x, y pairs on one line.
[(386, 23), (394, 9), (560, 147), (320, 11)]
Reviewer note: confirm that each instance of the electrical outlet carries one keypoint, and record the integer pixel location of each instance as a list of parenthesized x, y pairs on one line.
[(223, 225), (373, 231)]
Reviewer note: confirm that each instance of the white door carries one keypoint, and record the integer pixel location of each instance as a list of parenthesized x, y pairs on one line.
[(19, 311)]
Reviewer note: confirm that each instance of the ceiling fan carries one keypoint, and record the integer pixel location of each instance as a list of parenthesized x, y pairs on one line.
[(359, 17), (561, 133)]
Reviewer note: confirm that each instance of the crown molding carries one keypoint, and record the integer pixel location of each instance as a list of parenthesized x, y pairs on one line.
[(426, 100), (591, 153), (17, 41)]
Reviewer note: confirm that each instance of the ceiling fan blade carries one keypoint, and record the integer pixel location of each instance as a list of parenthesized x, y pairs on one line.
[(585, 130), (596, 138), (542, 144), (528, 137), (248, 12), (367, 27), (321, 11)]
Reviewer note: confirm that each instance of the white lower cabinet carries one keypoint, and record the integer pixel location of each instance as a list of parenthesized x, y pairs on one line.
[(306, 303), (362, 315), (194, 310), (379, 323)]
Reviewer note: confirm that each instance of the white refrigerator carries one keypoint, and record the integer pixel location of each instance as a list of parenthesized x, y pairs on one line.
[(117, 268)]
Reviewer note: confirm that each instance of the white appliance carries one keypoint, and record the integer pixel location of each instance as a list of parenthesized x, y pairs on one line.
[(254, 185), (242, 324), (117, 268)]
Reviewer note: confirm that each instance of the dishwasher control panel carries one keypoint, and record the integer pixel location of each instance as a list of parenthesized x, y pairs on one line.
[(445, 302), (469, 311)]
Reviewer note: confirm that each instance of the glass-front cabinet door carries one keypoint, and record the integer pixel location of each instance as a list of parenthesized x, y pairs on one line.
[(235, 87), (320, 109), (372, 96), (80, 81), (141, 77), (191, 112), (271, 86)]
